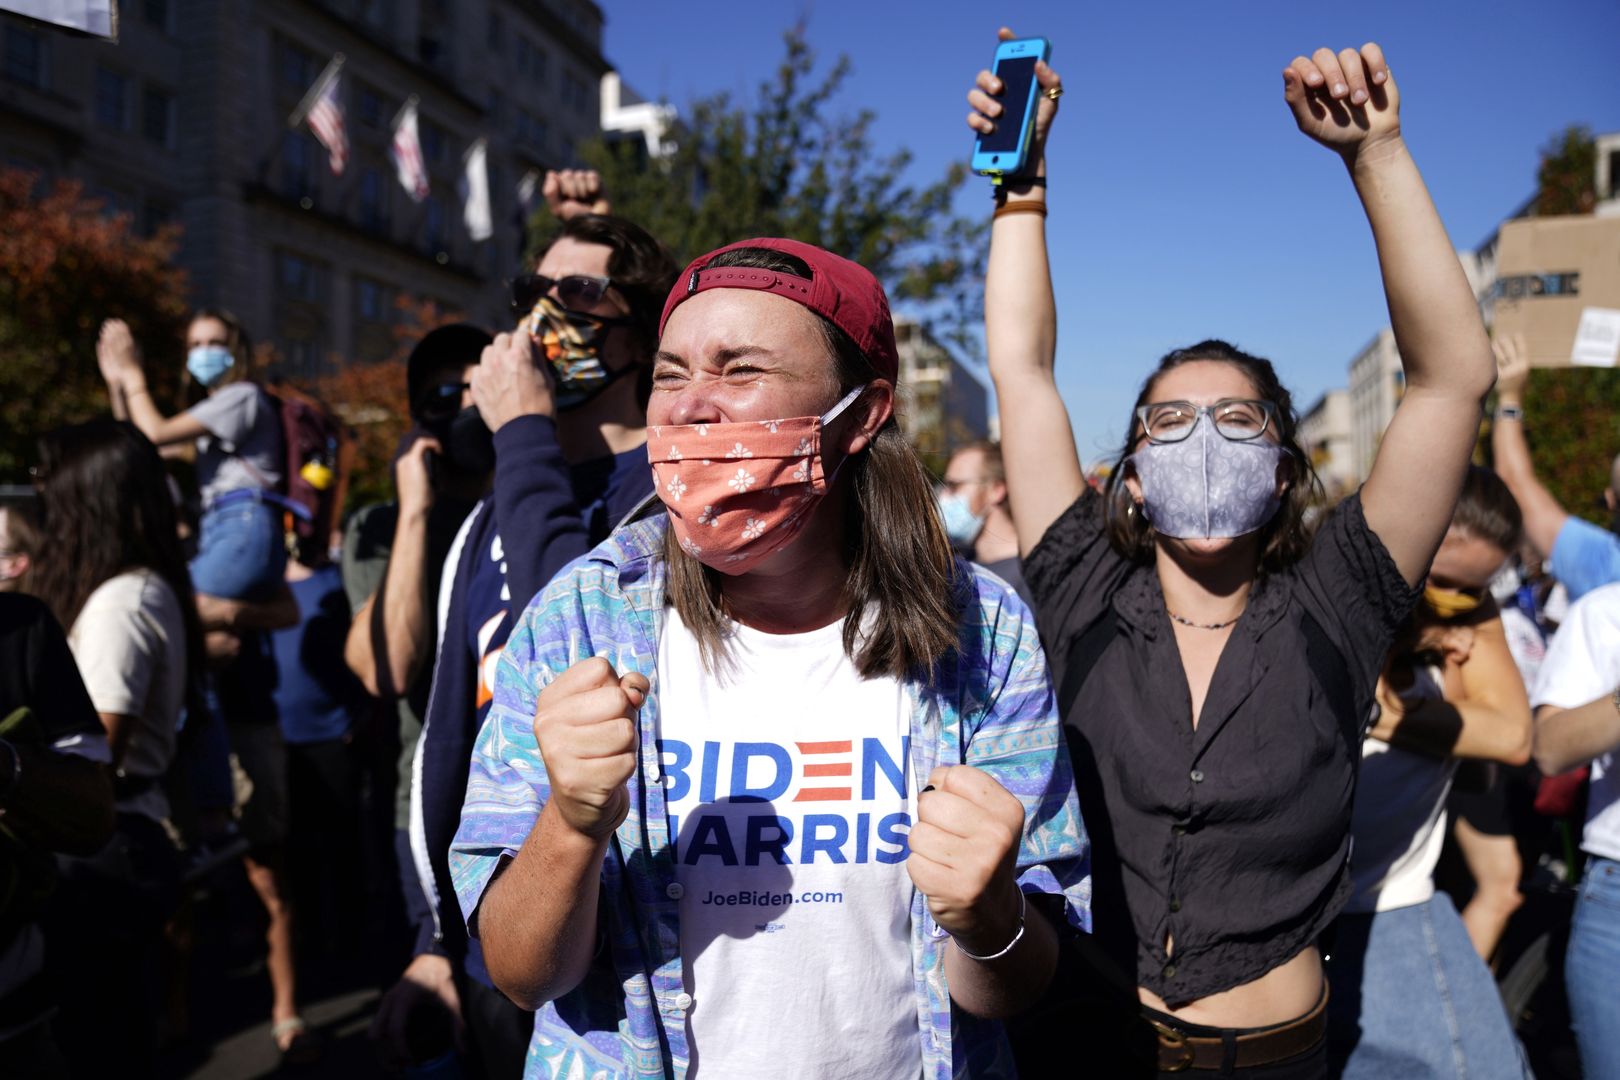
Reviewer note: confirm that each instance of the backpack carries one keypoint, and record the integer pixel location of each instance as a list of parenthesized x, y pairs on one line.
[(312, 440)]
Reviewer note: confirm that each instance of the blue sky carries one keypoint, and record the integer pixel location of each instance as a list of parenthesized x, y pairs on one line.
[(1185, 204)]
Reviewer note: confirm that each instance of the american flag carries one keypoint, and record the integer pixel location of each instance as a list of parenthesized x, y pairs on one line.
[(406, 153), (322, 107)]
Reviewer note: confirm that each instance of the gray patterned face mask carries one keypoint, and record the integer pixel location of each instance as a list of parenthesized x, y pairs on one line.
[(1207, 486)]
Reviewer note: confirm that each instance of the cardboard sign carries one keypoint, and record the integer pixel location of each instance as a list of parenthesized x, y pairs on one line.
[(1549, 271), (1597, 339)]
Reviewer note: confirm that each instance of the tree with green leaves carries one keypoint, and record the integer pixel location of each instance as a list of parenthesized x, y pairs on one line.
[(1566, 181), (785, 165)]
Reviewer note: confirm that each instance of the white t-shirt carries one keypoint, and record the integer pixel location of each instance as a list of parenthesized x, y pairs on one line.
[(1397, 826), (1582, 665), (130, 644), (788, 792)]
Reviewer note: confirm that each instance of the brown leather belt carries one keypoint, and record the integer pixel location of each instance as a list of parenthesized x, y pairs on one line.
[(1179, 1050)]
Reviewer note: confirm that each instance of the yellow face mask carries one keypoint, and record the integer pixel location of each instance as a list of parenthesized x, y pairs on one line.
[(1450, 603)]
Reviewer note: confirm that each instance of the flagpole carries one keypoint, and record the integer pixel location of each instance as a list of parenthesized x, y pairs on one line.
[(410, 101), (315, 91)]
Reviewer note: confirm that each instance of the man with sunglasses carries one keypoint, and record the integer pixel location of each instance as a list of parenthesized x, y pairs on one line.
[(565, 395)]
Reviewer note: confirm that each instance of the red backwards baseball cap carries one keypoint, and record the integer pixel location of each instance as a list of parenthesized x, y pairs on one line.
[(841, 291)]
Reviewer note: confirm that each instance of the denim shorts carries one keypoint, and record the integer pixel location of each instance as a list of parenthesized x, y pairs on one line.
[(1411, 998), (241, 552)]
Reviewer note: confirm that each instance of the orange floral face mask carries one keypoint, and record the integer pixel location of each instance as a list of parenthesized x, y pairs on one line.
[(738, 492)]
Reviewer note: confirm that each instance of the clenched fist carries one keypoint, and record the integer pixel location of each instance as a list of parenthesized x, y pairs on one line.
[(964, 849), (585, 723)]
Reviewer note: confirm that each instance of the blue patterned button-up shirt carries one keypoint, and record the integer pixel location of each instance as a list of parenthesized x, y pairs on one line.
[(989, 705)]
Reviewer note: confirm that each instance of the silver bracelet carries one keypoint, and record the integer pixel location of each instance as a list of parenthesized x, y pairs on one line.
[(1023, 906)]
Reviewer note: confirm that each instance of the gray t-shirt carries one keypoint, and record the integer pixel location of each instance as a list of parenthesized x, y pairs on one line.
[(243, 447)]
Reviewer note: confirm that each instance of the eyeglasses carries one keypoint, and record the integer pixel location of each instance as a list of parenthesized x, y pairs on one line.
[(574, 291), (1237, 419), (441, 400)]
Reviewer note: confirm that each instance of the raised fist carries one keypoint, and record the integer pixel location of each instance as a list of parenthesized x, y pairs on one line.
[(585, 723)]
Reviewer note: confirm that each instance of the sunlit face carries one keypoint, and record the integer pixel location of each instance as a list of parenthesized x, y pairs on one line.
[(1202, 382), (13, 563), (569, 257), (965, 475), (207, 331), (1465, 563)]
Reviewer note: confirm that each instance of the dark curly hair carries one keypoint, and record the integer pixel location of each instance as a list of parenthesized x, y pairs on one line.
[(1286, 536)]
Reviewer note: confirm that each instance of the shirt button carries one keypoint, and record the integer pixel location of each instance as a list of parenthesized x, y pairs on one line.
[(683, 1001), (1196, 776), (1175, 905), (1179, 830), (674, 890), (1169, 972)]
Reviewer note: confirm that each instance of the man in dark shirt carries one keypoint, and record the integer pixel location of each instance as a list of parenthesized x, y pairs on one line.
[(55, 796), (566, 397)]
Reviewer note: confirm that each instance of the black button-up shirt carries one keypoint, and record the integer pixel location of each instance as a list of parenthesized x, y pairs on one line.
[(1233, 838)]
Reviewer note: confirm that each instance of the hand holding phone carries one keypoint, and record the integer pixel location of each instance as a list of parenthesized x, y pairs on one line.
[(1007, 132)]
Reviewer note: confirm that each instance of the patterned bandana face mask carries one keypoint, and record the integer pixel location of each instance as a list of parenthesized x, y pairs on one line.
[(1207, 486), (571, 342), (737, 492)]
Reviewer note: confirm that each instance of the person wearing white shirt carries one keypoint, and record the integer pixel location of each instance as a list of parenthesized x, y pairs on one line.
[(1577, 703)]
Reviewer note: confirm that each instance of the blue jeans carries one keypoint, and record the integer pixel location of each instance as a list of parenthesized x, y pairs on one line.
[(241, 553), (1410, 998), (1591, 968)]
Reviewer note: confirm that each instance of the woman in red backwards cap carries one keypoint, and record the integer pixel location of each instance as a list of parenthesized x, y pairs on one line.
[(773, 781)]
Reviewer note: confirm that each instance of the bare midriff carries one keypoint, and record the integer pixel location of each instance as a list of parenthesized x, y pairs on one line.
[(1284, 993)]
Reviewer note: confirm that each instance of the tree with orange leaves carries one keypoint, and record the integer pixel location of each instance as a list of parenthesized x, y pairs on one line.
[(65, 265)]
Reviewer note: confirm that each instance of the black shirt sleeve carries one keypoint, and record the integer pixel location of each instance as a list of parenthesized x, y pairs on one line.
[(1351, 585), (1073, 572), (37, 671)]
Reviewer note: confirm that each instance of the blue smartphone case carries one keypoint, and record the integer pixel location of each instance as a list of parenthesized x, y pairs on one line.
[(999, 158)]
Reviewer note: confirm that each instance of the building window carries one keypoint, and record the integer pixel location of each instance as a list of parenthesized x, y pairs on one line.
[(373, 199), (1614, 174), (157, 214), (157, 117), (112, 100), (495, 38), (157, 14), (295, 67), (297, 165), (25, 57), (369, 107), (497, 107), (531, 129), (433, 142), (575, 94), (433, 225), (295, 277), (377, 13)]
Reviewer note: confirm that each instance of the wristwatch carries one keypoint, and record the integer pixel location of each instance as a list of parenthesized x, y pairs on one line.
[(1509, 412)]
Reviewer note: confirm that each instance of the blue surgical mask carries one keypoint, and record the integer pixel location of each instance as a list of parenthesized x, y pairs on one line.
[(962, 525), (1207, 485), (208, 362)]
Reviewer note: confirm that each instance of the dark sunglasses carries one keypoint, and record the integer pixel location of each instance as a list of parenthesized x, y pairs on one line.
[(574, 291), (441, 400)]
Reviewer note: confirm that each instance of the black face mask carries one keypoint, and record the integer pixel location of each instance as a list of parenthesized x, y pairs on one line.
[(469, 447)]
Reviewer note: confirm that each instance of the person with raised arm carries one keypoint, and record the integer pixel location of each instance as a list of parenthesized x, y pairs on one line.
[(1217, 662)]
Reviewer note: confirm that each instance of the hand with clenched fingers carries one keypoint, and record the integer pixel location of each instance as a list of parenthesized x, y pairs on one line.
[(964, 850), (585, 723)]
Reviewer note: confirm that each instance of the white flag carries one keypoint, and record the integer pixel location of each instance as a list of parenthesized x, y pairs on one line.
[(475, 212), (527, 189), (406, 153)]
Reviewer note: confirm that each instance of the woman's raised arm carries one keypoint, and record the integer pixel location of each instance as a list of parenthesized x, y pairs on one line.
[(1349, 103), (1020, 329)]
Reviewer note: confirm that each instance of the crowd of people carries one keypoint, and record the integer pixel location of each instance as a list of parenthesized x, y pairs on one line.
[(687, 725)]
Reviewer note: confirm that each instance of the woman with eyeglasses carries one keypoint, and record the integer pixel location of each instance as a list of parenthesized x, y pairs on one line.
[(235, 433), (1216, 662)]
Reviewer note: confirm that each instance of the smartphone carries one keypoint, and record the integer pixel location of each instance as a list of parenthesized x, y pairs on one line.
[(1006, 150)]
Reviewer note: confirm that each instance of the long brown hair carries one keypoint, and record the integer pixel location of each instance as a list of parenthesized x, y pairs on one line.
[(1286, 536), (900, 563), (236, 340), (106, 508)]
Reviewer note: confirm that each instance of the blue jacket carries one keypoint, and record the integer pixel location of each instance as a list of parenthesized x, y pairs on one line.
[(535, 508)]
